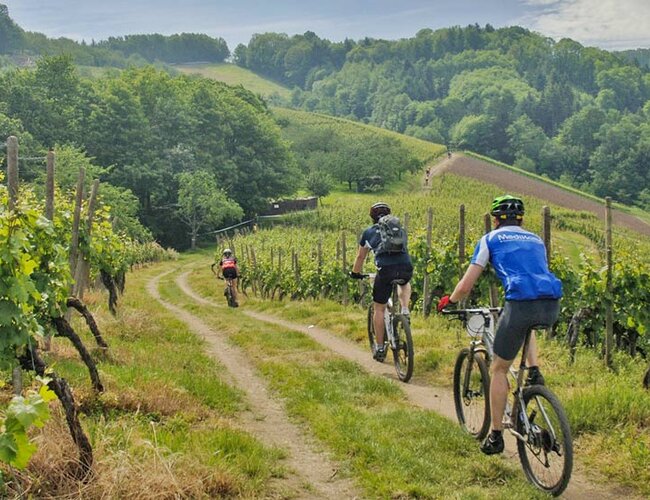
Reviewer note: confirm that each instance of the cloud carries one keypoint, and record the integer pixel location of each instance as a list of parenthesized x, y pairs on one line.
[(613, 24)]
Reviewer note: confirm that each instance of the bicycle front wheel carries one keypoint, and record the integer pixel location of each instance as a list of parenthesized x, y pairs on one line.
[(472, 393), (546, 454), (403, 353)]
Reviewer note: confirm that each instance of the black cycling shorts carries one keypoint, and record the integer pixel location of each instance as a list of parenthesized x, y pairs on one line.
[(383, 286), (230, 272), (517, 318)]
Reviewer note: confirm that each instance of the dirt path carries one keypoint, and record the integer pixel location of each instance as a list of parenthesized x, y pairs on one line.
[(438, 399), (510, 181), (313, 474)]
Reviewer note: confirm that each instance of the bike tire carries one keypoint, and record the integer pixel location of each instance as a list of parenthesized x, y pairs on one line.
[(403, 354), (542, 444), (372, 338), (229, 298), (473, 406)]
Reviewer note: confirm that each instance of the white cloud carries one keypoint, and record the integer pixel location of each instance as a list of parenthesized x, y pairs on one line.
[(613, 24)]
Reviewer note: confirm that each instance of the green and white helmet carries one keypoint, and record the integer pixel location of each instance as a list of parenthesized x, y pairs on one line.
[(507, 207)]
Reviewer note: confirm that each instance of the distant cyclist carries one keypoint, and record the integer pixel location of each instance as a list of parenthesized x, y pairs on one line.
[(532, 295), (228, 270), (393, 265)]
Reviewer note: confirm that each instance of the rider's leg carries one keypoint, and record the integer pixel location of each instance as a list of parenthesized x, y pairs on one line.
[(499, 390), (404, 294), (531, 357), (378, 321)]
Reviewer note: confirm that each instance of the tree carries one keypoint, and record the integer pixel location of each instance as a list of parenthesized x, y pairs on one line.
[(201, 204), (319, 184)]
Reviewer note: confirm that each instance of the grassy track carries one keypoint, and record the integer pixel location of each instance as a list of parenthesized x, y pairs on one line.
[(363, 419)]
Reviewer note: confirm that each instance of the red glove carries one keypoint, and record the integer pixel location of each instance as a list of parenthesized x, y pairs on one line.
[(445, 302)]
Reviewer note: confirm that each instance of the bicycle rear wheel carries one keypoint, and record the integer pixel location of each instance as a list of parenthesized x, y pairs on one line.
[(403, 354), (372, 338), (547, 453), (229, 297), (472, 393)]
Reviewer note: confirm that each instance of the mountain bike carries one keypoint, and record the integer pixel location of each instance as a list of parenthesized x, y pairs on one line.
[(228, 290), (533, 414), (397, 333)]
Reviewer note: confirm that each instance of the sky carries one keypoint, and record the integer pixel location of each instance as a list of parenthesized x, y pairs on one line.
[(608, 24)]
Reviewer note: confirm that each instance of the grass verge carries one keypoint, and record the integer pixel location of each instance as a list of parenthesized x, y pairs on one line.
[(168, 425)]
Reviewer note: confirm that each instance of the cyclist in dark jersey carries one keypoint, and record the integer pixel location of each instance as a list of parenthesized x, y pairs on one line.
[(532, 296), (389, 267), (229, 270)]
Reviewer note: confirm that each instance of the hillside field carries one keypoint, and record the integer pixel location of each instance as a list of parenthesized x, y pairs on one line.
[(234, 75)]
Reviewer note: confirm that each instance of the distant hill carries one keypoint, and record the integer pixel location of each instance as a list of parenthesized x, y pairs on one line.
[(573, 113)]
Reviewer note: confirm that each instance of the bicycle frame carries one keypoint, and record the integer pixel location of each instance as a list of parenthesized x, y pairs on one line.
[(483, 341)]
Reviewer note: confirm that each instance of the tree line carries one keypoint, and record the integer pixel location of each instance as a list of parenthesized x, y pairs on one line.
[(124, 51), (576, 114), (141, 131)]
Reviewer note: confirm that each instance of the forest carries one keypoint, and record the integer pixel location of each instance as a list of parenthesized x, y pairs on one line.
[(121, 52), (575, 114), (142, 129)]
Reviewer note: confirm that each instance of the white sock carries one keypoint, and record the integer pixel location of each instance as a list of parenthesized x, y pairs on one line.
[(405, 310)]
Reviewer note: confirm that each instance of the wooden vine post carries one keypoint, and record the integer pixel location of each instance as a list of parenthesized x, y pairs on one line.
[(609, 313), (426, 292), (49, 186), (82, 267), (12, 184), (49, 214), (344, 267), (461, 240), (76, 218), (546, 231), (494, 294)]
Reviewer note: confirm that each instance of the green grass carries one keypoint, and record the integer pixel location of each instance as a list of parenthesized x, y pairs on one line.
[(232, 74), (393, 449), (424, 151)]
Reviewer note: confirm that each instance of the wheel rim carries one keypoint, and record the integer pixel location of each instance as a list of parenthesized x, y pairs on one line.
[(545, 444), (473, 400)]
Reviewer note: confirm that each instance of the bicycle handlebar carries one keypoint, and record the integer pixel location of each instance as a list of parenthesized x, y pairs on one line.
[(477, 310)]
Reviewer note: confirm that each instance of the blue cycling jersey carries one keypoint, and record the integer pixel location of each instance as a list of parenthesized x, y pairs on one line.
[(371, 239), (519, 259)]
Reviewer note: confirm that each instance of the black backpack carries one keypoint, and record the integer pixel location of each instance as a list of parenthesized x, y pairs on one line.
[(393, 235)]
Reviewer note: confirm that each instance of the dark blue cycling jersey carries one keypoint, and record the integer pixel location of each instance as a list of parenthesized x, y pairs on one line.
[(519, 259), (371, 239)]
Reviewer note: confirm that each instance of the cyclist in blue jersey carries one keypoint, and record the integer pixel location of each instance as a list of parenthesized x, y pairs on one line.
[(390, 267), (532, 296)]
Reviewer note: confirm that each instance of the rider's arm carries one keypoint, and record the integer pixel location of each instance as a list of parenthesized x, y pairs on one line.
[(360, 259), (465, 285)]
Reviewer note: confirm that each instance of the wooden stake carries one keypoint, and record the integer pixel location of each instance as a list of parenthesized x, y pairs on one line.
[(609, 299), (494, 293), (546, 231), (49, 186), (12, 171), (426, 303)]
